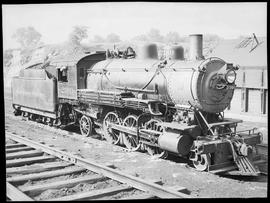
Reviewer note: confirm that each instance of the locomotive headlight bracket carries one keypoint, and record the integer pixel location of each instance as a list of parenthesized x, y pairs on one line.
[(230, 76)]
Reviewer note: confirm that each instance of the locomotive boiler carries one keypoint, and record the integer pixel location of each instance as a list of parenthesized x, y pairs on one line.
[(142, 103), (207, 85)]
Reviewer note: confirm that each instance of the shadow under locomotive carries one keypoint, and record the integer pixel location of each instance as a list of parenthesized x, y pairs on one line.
[(234, 174), (230, 174), (135, 100)]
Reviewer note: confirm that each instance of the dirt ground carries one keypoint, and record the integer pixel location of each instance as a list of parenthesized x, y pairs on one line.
[(172, 172)]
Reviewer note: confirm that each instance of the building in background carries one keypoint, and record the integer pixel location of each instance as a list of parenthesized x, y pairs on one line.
[(251, 93)]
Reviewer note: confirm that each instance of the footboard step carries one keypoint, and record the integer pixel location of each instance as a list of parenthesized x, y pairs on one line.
[(95, 194)]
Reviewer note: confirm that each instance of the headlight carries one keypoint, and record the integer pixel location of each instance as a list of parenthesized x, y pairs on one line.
[(230, 76)]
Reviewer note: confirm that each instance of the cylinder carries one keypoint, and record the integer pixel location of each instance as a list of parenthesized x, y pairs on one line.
[(196, 47), (148, 51), (176, 143), (177, 53)]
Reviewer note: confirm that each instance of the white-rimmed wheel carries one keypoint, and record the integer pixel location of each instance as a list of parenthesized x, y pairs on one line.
[(86, 126), (202, 162), (152, 150), (130, 140), (110, 134)]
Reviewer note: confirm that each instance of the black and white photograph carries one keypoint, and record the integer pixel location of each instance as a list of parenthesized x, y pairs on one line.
[(135, 100)]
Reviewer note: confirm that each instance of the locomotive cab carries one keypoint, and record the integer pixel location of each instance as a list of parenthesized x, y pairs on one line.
[(71, 72)]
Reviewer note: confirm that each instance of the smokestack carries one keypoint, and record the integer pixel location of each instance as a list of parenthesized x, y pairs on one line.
[(196, 47)]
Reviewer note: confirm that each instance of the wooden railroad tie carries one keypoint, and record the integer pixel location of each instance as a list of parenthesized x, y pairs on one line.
[(21, 162), (37, 168), (37, 189), (9, 146), (47, 174), (18, 149), (94, 194), (17, 155)]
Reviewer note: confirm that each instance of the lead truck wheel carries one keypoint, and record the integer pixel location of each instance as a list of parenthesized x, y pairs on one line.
[(86, 126), (203, 162)]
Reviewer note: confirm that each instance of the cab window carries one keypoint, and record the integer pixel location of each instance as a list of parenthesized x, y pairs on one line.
[(62, 74)]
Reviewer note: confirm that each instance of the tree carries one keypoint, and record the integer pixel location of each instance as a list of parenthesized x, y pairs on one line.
[(210, 38), (112, 38), (172, 37), (243, 36), (78, 34), (98, 39), (142, 38), (7, 56), (27, 37), (184, 39), (154, 35)]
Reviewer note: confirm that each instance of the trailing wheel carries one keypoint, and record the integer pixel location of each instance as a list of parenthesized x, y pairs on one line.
[(130, 140), (86, 126), (153, 150), (110, 134), (202, 162)]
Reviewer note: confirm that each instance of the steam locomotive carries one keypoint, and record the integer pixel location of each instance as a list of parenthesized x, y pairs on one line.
[(171, 106)]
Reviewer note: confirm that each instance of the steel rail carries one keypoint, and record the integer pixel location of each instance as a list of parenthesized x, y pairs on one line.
[(152, 188)]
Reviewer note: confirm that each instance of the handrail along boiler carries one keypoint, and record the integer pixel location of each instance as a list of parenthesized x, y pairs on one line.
[(143, 103)]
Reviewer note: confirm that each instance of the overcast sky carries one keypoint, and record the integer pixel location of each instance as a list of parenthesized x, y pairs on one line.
[(128, 19)]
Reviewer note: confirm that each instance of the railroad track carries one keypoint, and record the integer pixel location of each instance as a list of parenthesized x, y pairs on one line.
[(35, 171)]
